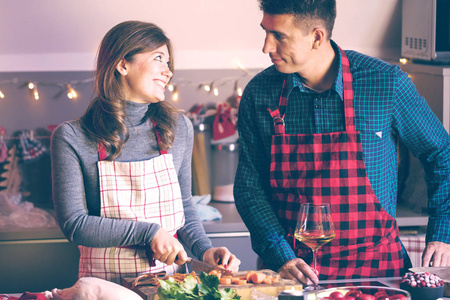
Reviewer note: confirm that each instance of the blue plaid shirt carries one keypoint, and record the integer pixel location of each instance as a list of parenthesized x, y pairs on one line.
[(387, 107)]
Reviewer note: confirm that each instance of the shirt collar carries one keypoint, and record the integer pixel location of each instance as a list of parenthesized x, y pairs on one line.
[(293, 80)]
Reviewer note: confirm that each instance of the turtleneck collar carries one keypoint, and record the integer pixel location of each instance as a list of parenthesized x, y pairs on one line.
[(135, 112)]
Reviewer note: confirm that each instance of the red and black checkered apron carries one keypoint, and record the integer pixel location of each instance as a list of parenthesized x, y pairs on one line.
[(146, 191), (329, 168)]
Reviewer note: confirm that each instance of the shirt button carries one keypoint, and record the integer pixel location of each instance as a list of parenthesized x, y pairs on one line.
[(317, 106)]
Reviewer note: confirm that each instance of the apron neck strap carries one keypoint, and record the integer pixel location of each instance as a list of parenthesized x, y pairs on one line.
[(101, 151), (347, 78), (158, 137)]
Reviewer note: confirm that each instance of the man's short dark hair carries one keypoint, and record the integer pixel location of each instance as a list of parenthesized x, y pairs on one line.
[(303, 10)]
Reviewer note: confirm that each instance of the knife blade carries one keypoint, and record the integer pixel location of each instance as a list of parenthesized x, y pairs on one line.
[(201, 266)]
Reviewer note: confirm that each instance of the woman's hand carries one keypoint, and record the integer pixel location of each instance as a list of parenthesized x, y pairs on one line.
[(167, 249), (222, 256)]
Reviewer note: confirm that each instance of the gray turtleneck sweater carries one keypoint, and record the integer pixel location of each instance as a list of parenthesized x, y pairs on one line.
[(75, 182)]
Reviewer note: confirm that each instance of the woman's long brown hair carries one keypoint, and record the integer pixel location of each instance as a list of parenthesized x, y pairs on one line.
[(104, 120)]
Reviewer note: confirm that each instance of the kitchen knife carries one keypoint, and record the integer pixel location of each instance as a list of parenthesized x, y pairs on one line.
[(201, 266)]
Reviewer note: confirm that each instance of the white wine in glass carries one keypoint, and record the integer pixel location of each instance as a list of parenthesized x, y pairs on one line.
[(314, 228)]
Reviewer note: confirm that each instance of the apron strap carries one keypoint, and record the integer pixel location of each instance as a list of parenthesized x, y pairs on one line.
[(275, 112), (101, 151), (347, 78), (158, 137)]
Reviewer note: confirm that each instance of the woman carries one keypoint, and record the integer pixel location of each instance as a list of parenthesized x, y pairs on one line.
[(122, 172)]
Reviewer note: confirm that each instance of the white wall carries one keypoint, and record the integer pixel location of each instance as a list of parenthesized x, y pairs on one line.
[(63, 35)]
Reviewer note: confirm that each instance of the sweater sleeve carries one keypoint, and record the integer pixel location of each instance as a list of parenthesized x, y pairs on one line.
[(192, 234)]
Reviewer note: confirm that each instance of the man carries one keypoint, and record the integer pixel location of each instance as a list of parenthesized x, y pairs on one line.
[(320, 126)]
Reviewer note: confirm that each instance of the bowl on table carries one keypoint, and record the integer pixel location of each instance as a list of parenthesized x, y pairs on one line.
[(359, 293), (423, 285)]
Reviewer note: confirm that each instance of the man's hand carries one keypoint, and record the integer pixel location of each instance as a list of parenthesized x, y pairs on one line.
[(297, 269), (437, 254)]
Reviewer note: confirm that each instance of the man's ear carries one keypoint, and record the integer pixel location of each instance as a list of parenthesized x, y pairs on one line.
[(318, 37), (122, 67)]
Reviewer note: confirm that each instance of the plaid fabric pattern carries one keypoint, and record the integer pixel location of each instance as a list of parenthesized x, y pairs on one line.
[(329, 168), (386, 105), (414, 244), (146, 191)]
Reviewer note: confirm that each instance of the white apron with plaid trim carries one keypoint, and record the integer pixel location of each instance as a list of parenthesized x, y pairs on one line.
[(146, 191)]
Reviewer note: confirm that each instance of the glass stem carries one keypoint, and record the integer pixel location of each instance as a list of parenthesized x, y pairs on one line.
[(314, 259)]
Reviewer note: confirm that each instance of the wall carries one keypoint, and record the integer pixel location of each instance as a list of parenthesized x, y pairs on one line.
[(54, 35)]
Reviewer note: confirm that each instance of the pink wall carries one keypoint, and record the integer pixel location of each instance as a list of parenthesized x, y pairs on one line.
[(55, 35)]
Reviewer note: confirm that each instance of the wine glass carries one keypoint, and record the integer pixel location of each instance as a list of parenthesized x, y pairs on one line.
[(314, 228)]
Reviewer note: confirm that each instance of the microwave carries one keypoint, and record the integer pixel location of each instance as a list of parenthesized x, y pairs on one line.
[(426, 30)]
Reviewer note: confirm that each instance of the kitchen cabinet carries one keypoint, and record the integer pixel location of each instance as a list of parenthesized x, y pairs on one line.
[(36, 260)]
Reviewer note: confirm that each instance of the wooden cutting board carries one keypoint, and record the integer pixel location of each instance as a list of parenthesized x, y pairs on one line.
[(442, 272), (245, 291)]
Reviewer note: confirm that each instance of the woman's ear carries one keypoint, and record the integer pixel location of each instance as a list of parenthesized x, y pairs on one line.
[(122, 67)]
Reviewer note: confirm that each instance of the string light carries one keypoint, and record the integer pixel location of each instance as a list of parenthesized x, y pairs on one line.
[(237, 88), (207, 87), (71, 93), (403, 61), (33, 89), (175, 94), (68, 89)]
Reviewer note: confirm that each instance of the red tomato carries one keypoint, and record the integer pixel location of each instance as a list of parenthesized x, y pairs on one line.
[(336, 295), (398, 297), (381, 293), (365, 297), (353, 293)]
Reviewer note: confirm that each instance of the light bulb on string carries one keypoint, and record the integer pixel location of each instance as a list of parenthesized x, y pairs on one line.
[(175, 94), (33, 89), (170, 87), (71, 93), (216, 91), (207, 87), (2, 95), (237, 88)]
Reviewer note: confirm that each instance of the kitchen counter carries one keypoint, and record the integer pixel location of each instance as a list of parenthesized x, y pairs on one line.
[(230, 222)]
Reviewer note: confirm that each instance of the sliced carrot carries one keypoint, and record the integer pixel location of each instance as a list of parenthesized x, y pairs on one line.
[(235, 280), (242, 282), (214, 272), (258, 277), (267, 280), (226, 281), (249, 275), (275, 279)]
